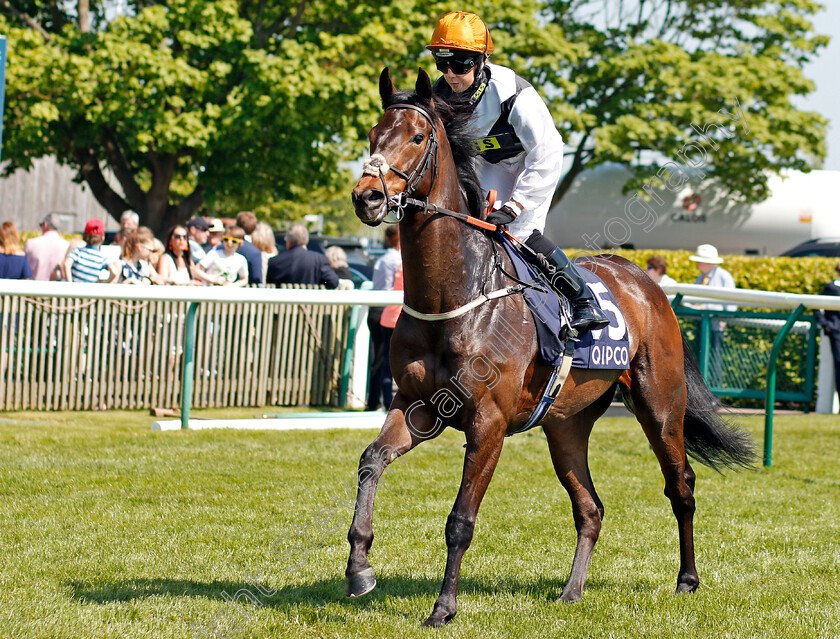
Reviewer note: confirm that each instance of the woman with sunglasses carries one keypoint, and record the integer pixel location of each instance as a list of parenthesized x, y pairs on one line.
[(520, 153), (225, 267), (176, 263)]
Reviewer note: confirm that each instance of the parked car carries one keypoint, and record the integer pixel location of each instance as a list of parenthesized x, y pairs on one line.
[(821, 247)]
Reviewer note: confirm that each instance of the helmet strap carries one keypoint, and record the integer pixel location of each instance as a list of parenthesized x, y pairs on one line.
[(480, 83)]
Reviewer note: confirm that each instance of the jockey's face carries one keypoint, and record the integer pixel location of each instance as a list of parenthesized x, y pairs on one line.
[(459, 83)]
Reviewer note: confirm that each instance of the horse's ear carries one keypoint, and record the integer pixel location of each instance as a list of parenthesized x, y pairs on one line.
[(423, 87), (386, 86)]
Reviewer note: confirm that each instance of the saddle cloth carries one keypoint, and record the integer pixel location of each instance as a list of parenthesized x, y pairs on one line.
[(606, 348)]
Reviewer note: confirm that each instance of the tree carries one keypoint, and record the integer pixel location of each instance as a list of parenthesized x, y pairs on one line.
[(633, 82), (225, 104), (196, 103)]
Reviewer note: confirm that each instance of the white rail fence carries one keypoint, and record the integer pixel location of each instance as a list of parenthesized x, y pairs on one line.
[(70, 346), (83, 346)]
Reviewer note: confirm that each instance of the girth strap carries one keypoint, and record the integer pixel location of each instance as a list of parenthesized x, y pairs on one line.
[(552, 389)]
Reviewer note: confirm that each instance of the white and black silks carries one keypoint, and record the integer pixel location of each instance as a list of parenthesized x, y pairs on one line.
[(520, 152)]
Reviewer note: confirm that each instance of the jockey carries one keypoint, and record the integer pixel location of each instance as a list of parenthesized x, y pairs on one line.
[(520, 151)]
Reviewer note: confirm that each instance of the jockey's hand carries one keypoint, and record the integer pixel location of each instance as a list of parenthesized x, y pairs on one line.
[(504, 215)]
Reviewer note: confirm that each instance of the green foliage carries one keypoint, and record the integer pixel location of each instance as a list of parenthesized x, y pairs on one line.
[(642, 75), (228, 104), (802, 275)]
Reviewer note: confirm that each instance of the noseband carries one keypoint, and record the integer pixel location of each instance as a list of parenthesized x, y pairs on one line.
[(378, 166)]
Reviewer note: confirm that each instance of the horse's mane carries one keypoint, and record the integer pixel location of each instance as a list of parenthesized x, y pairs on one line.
[(456, 124)]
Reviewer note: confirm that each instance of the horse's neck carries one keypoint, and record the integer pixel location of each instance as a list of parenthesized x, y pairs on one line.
[(445, 262)]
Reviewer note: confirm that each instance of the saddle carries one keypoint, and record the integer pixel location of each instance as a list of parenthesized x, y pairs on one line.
[(606, 348)]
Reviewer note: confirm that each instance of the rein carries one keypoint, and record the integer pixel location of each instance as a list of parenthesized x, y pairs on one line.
[(376, 165)]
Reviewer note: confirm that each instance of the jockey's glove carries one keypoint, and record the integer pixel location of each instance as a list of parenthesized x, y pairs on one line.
[(504, 215)]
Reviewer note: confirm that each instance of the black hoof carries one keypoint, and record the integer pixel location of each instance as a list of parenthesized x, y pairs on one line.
[(361, 583), (687, 587), (436, 620)]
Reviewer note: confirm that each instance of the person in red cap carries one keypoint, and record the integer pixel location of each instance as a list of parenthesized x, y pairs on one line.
[(86, 263), (520, 152)]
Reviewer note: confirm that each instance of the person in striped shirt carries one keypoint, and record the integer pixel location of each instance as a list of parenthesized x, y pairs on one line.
[(85, 263)]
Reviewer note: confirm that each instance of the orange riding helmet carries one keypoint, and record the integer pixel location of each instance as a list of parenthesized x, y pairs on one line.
[(462, 31)]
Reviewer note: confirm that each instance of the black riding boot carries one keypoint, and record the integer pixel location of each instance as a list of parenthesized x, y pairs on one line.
[(564, 277)]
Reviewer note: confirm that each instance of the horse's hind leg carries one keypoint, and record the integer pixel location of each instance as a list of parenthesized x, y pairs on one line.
[(659, 398), (395, 439), (568, 443)]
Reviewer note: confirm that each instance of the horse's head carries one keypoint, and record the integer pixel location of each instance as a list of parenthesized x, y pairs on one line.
[(403, 149)]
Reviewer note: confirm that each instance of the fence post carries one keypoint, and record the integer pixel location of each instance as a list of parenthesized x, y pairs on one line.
[(189, 365), (349, 352), (704, 341), (770, 392)]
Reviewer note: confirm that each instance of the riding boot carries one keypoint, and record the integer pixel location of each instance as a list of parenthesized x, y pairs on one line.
[(565, 278)]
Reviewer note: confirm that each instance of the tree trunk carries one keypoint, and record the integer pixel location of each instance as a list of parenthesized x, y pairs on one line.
[(84, 16)]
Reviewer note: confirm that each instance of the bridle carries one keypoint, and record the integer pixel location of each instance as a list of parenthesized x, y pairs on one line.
[(378, 166)]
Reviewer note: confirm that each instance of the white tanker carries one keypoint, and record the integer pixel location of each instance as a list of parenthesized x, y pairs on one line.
[(594, 214)]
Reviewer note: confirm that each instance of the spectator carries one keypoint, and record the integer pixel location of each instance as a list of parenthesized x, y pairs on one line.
[(707, 261), (657, 267), (74, 243), (199, 231), (338, 262), (157, 253), (216, 231), (263, 239), (129, 221), (176, 265), (46, 251), (225, 267), (830, 323), (134, 266), (297, 265), (247, 221), (12, 235), (86, 263), (13, 262), (380, 381)]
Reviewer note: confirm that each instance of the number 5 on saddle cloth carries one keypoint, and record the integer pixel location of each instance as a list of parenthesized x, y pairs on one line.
[(606, 348)]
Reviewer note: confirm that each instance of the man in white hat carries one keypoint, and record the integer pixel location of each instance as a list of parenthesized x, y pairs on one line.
[(711, 274), (707, 260)]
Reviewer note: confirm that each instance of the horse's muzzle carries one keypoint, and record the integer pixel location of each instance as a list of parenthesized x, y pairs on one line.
[(370, 206)]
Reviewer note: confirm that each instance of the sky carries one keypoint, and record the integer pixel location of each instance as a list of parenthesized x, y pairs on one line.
[(825, 72)]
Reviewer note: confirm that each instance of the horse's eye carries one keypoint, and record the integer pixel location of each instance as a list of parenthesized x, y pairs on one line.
[(417, 139)]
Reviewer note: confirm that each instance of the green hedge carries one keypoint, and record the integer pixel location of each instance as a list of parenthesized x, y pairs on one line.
[(805, 275), (801, 275)]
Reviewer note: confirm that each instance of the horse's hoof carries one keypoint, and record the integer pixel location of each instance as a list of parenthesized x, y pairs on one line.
[(438, 619), (687, 585), (570, 597), (361, 583)]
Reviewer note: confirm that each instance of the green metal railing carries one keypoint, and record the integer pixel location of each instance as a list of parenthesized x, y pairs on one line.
[(739, 354)]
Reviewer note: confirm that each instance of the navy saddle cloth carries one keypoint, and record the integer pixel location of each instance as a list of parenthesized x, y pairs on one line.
[(606, 348)]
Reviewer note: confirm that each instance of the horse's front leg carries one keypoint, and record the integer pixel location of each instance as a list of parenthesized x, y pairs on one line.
[(395, 439), (484, 445)]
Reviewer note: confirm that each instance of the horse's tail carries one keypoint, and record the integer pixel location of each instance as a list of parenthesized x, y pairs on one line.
[(709, 438)]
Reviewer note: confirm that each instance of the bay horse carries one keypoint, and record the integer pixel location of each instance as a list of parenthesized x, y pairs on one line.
[(451, 374)]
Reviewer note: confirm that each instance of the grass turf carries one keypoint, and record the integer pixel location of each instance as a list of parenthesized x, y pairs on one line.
[(110, 530)]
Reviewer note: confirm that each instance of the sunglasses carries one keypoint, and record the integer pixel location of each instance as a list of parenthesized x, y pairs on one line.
[(459, 65), (179, 236), (232, 240)]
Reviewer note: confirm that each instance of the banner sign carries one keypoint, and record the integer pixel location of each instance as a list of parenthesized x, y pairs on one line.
[(2, 87)]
